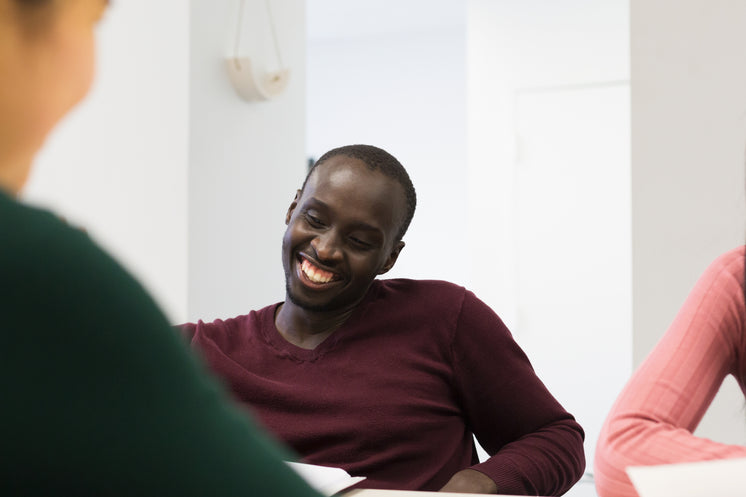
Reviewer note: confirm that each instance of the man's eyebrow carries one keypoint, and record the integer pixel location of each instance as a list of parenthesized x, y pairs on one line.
[(314, 202), (366, 227)]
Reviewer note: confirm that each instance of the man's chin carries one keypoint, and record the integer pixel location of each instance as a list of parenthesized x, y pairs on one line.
[(308, 306)]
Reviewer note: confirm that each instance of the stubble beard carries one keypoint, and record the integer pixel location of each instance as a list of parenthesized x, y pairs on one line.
[(305, 305)]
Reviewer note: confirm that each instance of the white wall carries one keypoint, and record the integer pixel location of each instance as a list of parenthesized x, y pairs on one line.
[(117, 165), (685, 183), (393, 74), (688, 143), (169, 169), (549, 194), (245, 159)]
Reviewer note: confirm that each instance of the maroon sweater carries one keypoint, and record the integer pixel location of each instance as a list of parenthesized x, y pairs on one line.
[(396, 393)]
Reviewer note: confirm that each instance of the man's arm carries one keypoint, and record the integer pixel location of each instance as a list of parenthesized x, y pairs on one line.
[(536, 447), (469, 481)]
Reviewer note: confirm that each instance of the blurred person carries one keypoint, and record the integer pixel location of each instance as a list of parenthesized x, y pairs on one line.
[(653, 420), (99, 396), (388, 378)]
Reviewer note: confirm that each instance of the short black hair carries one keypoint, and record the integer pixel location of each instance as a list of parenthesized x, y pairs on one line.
[(377, 159)]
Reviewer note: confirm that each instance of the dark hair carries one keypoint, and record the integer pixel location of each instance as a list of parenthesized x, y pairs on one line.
[(377, 159)]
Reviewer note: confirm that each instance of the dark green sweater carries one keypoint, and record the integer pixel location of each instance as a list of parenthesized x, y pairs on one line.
[(98, 396)]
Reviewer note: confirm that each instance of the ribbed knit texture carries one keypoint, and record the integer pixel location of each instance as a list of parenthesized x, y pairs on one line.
[(653, 419)]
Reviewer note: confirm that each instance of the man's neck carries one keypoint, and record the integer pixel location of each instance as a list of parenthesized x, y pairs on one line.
[(305, 328)]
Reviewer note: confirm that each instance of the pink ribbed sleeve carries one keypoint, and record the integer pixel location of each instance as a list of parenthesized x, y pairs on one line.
[(653, 419)]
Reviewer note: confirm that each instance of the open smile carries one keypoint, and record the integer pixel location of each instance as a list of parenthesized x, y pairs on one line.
[(313, 274)]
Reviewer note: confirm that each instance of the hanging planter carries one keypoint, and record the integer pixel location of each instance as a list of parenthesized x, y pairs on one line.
[(250, 80)]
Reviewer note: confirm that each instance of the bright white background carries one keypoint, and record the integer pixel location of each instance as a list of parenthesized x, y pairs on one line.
[(578, 162)]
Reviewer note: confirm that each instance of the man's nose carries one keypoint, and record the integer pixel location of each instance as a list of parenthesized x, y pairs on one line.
[(327, 246)]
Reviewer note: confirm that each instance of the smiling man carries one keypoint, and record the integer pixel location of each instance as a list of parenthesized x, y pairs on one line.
[(388, 378)]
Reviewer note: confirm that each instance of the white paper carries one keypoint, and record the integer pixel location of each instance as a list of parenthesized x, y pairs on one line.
[(326, 480), (721, 478)]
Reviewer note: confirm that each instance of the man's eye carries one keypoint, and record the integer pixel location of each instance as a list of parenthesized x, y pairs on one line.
[(360, 243), (314, 221)]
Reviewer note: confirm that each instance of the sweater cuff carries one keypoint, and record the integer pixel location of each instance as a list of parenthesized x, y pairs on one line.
[(505, 474)]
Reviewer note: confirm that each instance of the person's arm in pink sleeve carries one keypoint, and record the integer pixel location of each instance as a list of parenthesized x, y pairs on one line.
[(653, 420)]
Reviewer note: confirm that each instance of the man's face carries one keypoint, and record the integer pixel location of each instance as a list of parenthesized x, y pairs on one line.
[(341, 234)]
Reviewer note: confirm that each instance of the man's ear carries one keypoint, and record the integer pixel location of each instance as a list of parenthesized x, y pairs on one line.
[(393, 256), (292, 207)]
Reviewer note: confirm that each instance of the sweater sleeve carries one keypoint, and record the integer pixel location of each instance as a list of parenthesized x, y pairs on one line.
[(536, 447), (653, 418), (101, 397)]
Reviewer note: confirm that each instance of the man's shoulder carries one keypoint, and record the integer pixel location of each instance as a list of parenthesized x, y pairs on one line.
[(426, 290), (244, 322), (420, 285)]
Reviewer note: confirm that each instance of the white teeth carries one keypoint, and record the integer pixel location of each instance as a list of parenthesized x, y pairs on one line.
[(314, 274)]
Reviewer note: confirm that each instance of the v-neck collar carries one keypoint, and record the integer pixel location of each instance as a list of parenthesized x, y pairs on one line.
[(275, 339)]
